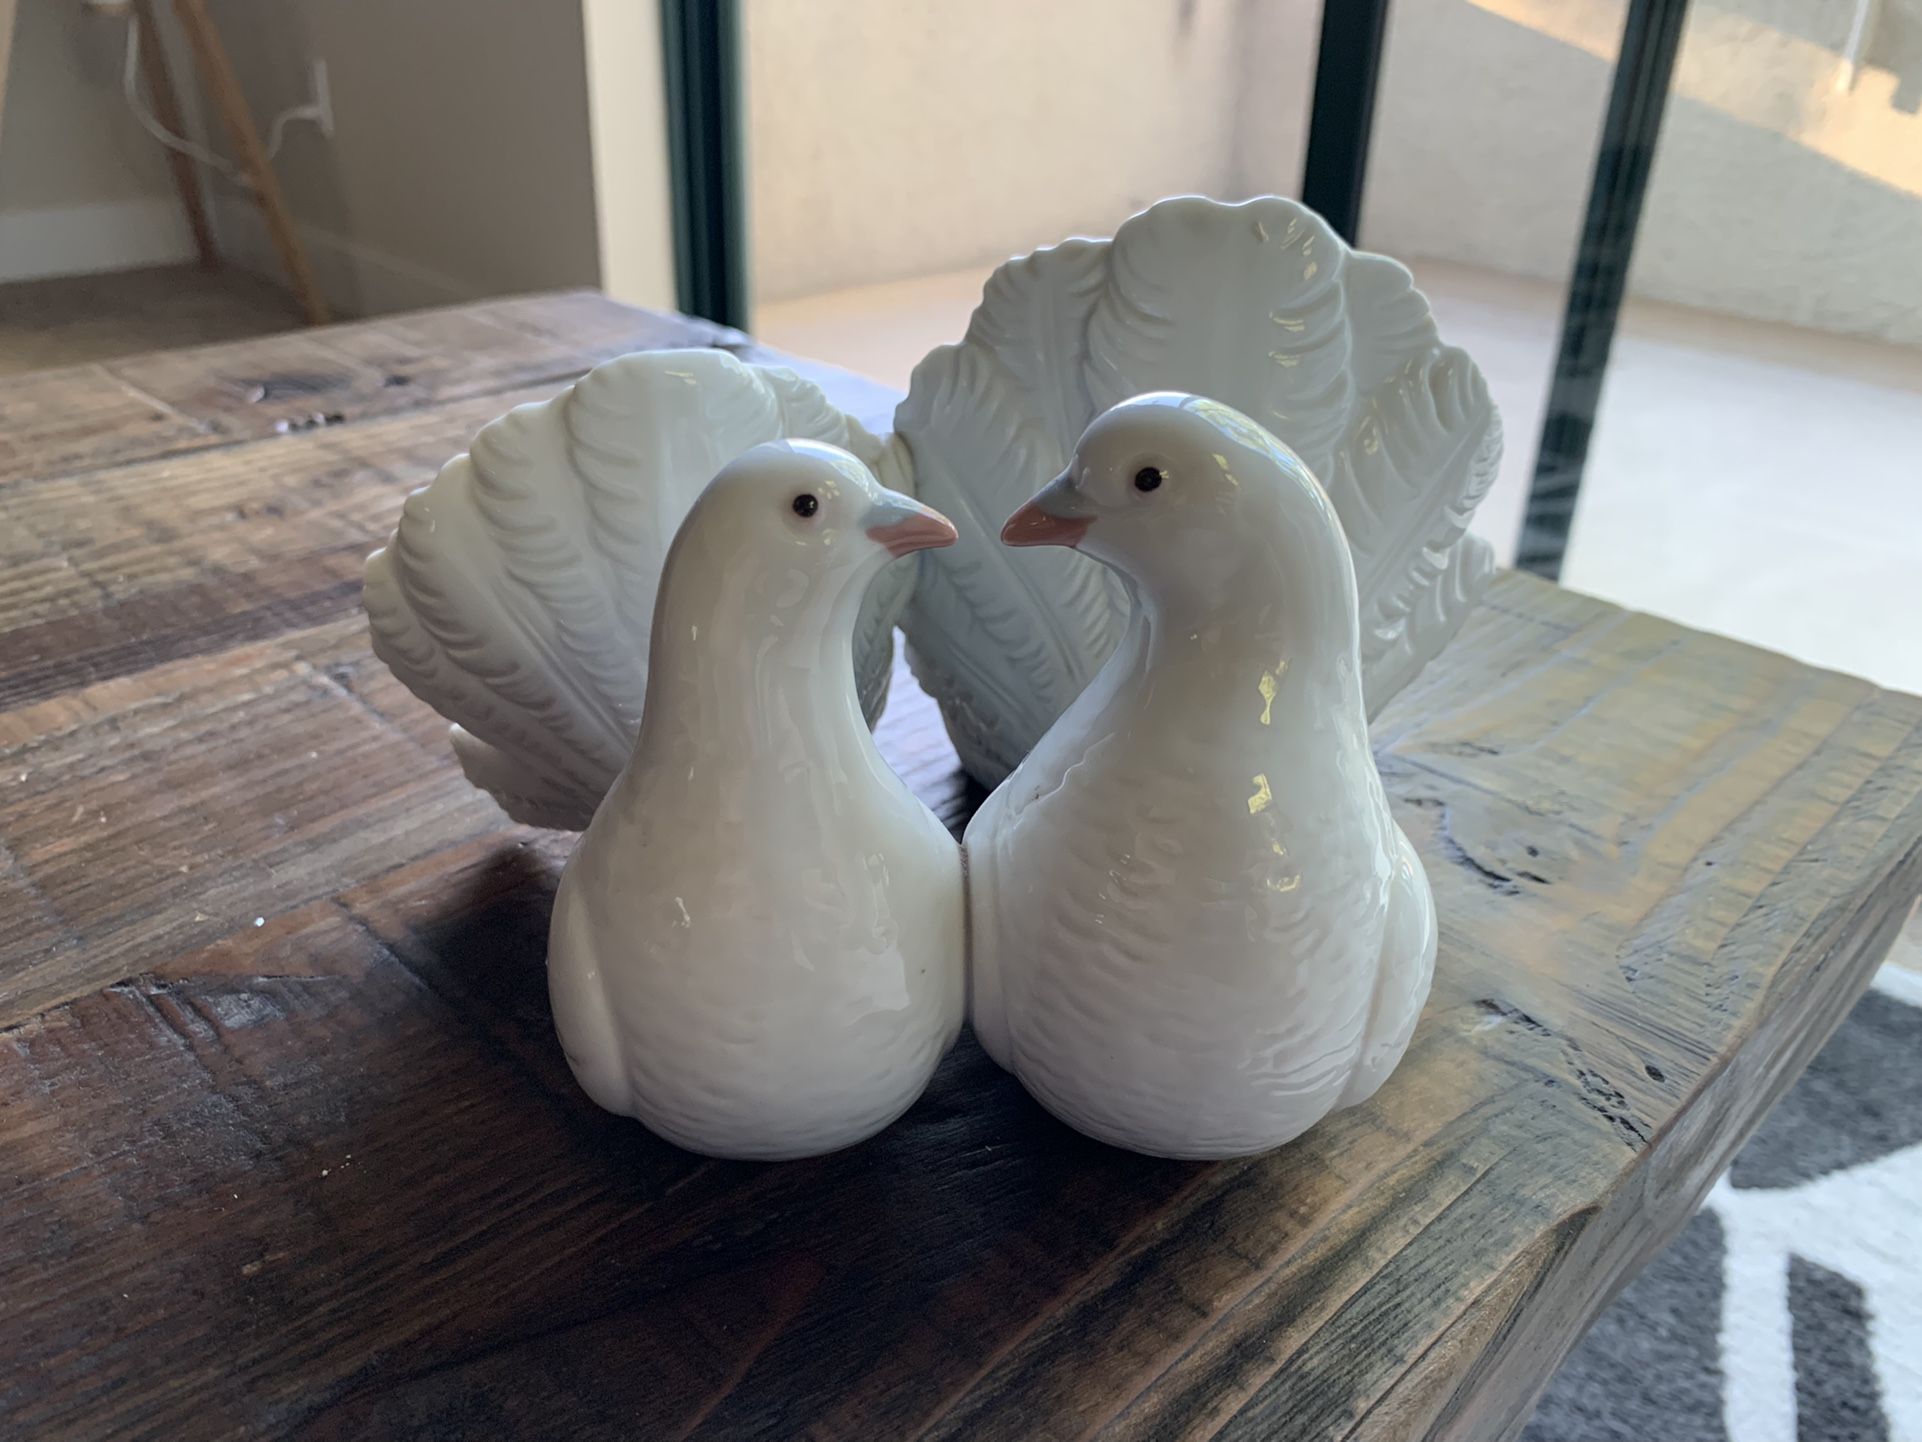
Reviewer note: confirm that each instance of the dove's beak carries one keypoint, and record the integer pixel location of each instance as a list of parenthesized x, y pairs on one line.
[(903, 525), (1049, 519)]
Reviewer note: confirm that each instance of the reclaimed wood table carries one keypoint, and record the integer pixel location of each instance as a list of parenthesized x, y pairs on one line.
[(288, 1148)]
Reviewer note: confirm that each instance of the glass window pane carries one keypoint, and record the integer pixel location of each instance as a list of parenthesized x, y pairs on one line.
[(1487, 117), (1756, 466)]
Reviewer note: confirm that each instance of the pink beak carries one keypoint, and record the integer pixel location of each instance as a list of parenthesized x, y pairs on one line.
[(909, 527), (1032, 526)]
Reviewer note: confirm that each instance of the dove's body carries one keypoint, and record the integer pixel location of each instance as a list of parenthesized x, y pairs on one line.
[(1196, 927), (757, 947)]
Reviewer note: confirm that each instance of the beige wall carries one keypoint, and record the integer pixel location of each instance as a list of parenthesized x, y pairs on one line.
[(627, 113), (460, 165), (82, 186), (891, 139)]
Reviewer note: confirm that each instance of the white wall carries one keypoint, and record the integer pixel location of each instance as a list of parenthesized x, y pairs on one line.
[(461, 162), (1485, 134), (890, 140), (82, 186)]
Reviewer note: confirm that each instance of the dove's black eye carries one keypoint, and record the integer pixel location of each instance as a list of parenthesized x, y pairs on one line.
[(1149, 478), (805, 504)]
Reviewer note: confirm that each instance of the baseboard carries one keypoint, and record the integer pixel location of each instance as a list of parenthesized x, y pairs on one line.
[(356, 279), (103, 235)]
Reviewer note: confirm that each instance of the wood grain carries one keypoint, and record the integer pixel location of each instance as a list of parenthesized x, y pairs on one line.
[(289, 1149), (54, 421), (170, 402)]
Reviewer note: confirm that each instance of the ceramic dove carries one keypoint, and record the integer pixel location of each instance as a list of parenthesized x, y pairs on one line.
[(1196, 929), (516, 595), (757, 948), (1258, 305)]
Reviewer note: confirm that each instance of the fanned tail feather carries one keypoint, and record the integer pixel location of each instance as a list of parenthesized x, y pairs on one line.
[(524, 792), (1282, 354), (1393, 656), (1257, 305), (1423, 454), (517, 593), (1017, 634)]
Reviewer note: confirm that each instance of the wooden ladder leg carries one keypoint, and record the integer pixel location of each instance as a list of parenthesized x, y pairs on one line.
[(166, 109), (6, 50), (223, 87)]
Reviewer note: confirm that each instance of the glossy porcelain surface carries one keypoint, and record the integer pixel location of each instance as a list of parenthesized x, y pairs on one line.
[(1259, 306), (1196, 928), (757, 947), (516, 596)]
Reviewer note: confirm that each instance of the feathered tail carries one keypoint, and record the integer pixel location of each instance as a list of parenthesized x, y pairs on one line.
[(516, 595), (1258, 305)]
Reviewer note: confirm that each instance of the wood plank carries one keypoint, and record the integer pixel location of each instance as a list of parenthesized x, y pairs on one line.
[(173, 402), (59, 420), (1554, 1122), (307, 380), (312, 1213), (328, 1175), (135, 565), (159, 812)]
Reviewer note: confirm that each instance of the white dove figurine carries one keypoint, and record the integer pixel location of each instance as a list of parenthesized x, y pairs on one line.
[(1196, 929), (515, 595), (757, 948)]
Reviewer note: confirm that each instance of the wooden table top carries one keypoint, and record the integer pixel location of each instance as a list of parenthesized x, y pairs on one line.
[(288, 1147)]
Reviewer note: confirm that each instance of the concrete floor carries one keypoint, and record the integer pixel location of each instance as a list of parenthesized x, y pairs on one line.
[(1751, 479)]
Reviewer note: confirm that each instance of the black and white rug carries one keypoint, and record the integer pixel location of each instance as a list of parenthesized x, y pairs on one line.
[(1790, 1309)]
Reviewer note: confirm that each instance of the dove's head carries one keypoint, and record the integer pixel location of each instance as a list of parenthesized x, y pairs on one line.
[(791, 528), (1190, 499)]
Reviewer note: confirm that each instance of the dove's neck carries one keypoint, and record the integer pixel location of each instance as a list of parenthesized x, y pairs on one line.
[(751, 671), (751, 736), (1275, 631)]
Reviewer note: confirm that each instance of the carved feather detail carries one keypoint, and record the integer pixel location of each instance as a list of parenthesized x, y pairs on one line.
[(1019, 632), (1258, 305), (1422, 455), (517, 593)]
